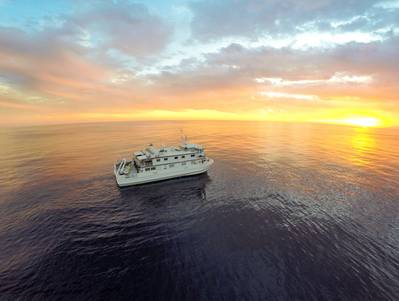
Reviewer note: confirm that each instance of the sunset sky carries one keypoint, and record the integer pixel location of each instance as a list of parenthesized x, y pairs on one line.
[(331, 61)]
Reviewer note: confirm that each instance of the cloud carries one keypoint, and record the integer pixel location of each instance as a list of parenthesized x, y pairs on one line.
[(362, 74), (215, 19), (30, 60), (337, 78), (105, 58), (80, 62), (289, 95), (128, 27)]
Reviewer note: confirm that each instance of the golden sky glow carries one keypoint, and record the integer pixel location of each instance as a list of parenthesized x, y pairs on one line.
[(181, 61)]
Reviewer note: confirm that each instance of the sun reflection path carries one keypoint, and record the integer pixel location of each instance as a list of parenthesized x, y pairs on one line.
[(363, 145)]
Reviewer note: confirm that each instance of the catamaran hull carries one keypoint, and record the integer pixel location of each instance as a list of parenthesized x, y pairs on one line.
[(124, 180)]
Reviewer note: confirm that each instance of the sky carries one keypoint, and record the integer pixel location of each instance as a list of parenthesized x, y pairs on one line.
[(328, 61)]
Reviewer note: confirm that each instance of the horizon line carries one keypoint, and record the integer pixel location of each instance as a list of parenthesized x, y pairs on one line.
[(193, 120)]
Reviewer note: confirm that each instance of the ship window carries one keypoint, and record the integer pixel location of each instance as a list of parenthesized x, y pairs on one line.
[(171, 165), (192, 155), (147, 169), (183, 157), (165, 159), (152, 168), (158, 160), (176, 157)]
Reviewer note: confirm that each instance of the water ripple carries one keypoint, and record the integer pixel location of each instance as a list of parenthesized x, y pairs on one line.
[(279, 216)]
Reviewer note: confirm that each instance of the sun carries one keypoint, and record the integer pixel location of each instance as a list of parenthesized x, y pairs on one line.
[(363, 121), (360, 121)]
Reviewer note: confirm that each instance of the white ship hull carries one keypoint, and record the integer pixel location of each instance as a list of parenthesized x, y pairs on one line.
[(131, 177)]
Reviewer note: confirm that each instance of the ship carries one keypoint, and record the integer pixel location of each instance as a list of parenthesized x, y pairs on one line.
[(158, 164)]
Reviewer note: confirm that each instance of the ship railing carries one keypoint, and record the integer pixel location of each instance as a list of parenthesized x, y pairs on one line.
[(121, 166)]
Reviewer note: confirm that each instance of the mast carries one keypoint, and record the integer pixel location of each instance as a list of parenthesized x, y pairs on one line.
[(183, 138)]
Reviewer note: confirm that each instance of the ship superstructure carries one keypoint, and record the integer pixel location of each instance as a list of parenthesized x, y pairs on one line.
[(156, 164)]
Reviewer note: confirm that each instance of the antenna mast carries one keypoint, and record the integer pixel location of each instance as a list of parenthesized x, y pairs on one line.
[(183, 137)]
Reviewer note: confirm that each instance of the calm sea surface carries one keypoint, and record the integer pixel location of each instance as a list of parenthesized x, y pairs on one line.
[(287, 212)]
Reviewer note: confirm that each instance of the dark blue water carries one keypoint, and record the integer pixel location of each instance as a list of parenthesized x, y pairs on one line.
[(287, 212)]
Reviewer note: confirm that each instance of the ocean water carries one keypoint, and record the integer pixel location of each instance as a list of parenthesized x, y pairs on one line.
[(287, 212)]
